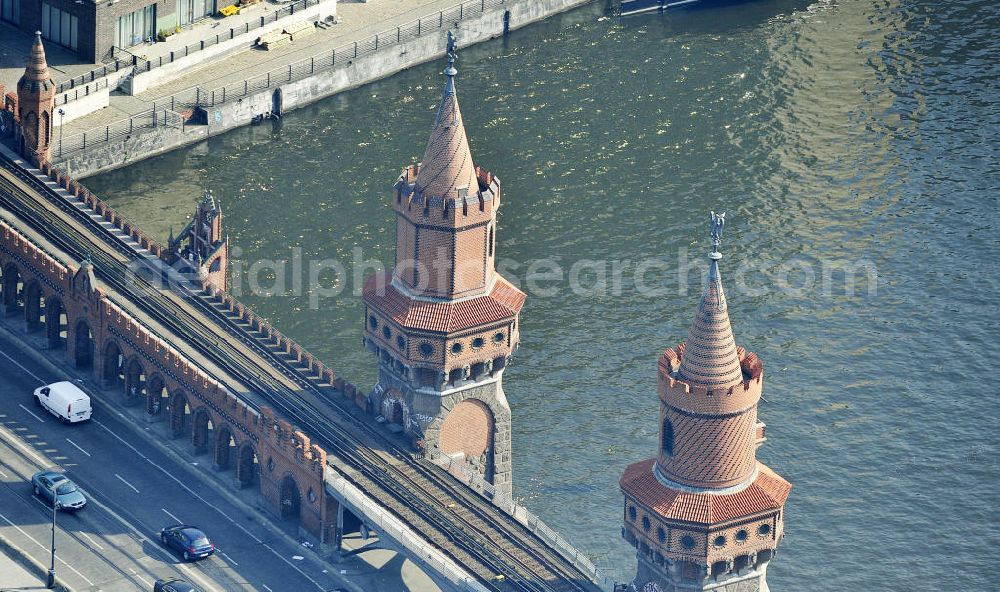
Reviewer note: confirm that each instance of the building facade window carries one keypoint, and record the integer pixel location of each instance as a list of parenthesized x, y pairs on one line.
[(193, 10), (10, 11), (134, 27), (59, 26)]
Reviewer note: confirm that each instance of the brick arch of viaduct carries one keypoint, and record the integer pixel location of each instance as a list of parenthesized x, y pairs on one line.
[(281, 451)]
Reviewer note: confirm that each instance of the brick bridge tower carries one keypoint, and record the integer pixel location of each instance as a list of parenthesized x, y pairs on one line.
[(443, 323), (35, 102), (705, 514), (201, 248)]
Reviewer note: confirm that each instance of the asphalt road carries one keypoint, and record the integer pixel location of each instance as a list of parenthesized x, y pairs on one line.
[(133, 490)]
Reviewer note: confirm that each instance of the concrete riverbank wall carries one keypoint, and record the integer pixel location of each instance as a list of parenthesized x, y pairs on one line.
[(220, 116)]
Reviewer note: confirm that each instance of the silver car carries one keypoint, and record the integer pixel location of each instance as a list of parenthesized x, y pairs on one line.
[(50, 485)]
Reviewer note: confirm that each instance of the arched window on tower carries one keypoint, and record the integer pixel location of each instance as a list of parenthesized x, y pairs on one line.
[(667, 438), (491, 241), (46, 128)]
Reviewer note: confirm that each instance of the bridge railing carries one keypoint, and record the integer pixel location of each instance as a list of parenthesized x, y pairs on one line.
[(533, 522), (153, 119), (387, 524)]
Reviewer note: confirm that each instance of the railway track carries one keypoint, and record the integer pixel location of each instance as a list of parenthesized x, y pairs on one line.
[(499, 550)]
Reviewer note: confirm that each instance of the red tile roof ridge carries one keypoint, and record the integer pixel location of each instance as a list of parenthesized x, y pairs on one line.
[(767, 492)]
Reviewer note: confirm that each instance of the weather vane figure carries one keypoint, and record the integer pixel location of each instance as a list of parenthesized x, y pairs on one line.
[(718, 222)]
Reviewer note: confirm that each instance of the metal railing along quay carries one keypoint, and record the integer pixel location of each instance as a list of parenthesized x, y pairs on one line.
[(503, 553), (338, 57)]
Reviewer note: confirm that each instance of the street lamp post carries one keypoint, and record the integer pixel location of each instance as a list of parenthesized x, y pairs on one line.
[(51, 582), (61, 115)]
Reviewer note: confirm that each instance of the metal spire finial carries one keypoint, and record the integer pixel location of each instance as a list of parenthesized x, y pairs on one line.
[(452, 51), (718, 222)]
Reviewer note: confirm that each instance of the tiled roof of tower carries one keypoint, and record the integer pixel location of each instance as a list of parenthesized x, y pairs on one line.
[(502, 303), (710, 359), (36, 74), (767, 492), (447, 165)]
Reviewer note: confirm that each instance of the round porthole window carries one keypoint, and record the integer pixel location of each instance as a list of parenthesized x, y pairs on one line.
[(311, 496), (631, 513), (478, 342), (687, 541), (661, 535), (741, 535), (386, 332), (456, 348), (645, 523), (764, 529), (720, 541), (426, 349), (372, 322), (400, 342), (498, 337), (270, 465)]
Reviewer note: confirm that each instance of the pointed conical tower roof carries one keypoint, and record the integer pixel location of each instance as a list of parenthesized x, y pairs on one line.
[(36, 74), (447, 166), (710, 359)]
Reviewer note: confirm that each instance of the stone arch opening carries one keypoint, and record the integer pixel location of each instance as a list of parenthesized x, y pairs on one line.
[(742, 562), (157, 397), (12, 289), (276, 102), (392, 406), (247, 466), (135, 382), (83, 345), (202, 430), (55, 323), (225, 448), (467, 433), (291, 499), (114, 365), (719, 568), (180, 412), (33, 302)]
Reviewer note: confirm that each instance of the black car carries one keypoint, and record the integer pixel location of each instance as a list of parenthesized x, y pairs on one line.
[(191, 542), (174, 585)]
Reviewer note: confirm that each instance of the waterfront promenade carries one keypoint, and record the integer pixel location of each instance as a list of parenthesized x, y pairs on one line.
[(357, 21)]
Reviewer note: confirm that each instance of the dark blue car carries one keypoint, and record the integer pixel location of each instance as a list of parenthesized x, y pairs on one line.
[(188, 540)]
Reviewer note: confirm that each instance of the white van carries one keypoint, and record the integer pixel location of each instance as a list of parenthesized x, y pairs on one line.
[(64, 400)]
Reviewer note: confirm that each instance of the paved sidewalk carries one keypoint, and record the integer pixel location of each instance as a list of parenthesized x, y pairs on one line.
[(358, 21), (13, 576)]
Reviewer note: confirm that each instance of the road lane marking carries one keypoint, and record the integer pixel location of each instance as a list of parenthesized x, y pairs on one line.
[(2, 474), (46, 549), (213, 506), (179, 521), (126, 482), (266, 587), (77, 446), (31, 413), (179, 482), (13, 439), (29, 372), (144, 580), (231, 560), (92, 541)]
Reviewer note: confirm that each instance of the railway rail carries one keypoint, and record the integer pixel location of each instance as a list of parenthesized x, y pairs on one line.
[(500, 551)]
